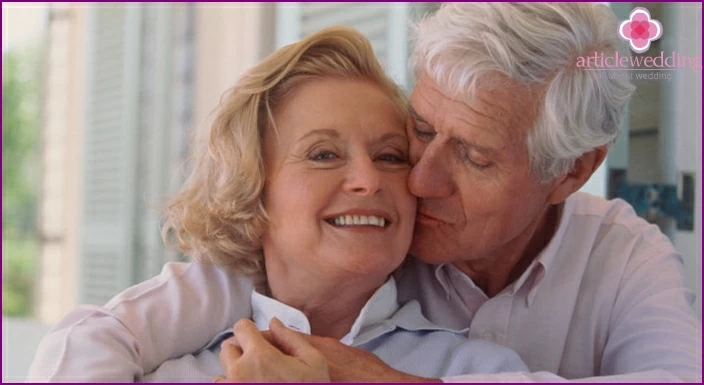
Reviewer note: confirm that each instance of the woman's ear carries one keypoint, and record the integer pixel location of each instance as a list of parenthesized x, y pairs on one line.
[(583, 169)]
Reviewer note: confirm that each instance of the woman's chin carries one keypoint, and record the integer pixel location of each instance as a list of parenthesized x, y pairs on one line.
[(373, 266)]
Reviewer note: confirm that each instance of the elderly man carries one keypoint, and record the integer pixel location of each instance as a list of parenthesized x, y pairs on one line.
[(505, 129)]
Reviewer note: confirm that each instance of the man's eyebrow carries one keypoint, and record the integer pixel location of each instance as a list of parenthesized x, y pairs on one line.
[(485, 150), (416, 116), (323, 131)]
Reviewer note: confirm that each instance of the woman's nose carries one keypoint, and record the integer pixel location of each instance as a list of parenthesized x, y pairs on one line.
[(431, 176), (363, 178)]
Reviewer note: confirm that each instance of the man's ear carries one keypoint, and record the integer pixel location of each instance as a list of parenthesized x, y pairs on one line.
[(583, 169)]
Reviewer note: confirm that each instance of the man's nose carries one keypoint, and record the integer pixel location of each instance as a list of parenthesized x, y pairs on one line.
[(364, 178), (431, 176)]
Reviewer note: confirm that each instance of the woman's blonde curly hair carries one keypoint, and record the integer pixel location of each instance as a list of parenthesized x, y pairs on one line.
[(219, 216)]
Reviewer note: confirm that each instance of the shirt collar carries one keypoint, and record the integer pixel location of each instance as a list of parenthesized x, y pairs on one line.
[(381, 306), (547, 256), (539, 268), (380, 315), (442, 275), (410, 317)]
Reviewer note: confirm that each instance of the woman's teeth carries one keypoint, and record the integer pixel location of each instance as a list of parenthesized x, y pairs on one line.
[(358, 220)]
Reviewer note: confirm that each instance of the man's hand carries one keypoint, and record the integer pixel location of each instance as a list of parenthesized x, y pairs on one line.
[(251, 356), (348, 364)]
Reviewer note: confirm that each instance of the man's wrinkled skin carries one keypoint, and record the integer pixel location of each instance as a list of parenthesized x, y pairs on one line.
[(284, 355), (349, 364), (280, 355)]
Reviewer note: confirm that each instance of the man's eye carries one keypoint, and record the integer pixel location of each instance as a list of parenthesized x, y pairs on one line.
[(423, 134), (467, 159), (477, 165), (322, 156)]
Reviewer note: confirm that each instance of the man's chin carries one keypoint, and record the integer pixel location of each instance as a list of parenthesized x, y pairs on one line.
[(429, 251)]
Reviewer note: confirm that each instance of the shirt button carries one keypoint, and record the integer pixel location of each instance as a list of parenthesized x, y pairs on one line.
[(489, 336)]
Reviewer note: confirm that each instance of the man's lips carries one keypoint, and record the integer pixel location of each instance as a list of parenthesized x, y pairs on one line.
[(428, 219)]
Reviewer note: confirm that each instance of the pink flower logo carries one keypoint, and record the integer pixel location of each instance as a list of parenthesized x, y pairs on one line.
[(640, 29)]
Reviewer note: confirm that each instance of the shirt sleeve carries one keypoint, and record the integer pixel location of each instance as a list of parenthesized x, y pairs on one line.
[(653, 376), (653, 326), (175, 313), (654, 335)]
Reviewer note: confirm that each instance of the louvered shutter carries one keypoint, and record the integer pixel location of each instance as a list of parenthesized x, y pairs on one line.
[(384, 24), (112, 100), (153, 138)]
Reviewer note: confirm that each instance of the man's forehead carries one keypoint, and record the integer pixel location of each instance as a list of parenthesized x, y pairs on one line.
[(504, 111), (492, 91)]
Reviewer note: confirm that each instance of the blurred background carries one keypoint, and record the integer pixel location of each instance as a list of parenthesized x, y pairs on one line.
[(99, 102)]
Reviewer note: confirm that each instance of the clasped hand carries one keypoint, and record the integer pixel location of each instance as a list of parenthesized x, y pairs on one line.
[(284, 355), (277, 355)]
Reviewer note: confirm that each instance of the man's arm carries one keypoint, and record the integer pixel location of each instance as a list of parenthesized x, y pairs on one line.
[(349, 364), (653, 326), (654, 336), (284, 355), (173, 314)]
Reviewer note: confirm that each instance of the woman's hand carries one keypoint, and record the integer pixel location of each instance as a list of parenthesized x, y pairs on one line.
[(281, 355)]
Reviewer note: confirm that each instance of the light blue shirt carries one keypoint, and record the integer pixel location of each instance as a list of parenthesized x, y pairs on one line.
[(400, 335)]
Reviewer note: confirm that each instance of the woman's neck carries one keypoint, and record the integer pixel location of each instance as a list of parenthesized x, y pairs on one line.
[(330, 303)]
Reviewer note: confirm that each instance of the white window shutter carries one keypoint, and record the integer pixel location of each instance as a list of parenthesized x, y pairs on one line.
[(112, 101), (153, 145), (384, 24)]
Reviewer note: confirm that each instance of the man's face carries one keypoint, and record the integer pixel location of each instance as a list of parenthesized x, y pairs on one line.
[(478, 198)]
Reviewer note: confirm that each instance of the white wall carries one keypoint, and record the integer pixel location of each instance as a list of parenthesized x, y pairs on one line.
[(20, 338), (229, 40), (62, 159), (22, 24)]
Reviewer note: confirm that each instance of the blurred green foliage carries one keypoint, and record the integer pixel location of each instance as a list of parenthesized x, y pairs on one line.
[(20, 165), (18, 267)]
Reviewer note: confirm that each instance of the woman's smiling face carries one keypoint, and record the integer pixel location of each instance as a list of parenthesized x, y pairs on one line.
[(337, 180)]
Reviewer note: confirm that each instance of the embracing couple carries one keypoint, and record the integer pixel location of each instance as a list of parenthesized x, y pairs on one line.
[(345, 232)]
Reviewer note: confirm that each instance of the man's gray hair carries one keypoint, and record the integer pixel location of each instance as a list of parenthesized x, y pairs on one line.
[(533, 44)]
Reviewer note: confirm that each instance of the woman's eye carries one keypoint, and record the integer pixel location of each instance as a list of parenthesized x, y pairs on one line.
[(322, 156), (392, 158)]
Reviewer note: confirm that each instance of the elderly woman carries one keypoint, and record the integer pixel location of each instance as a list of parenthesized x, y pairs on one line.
[(299, 191)]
